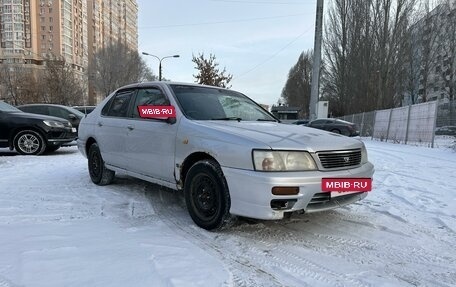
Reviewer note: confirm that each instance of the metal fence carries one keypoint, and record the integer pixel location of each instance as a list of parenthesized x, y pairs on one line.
[(415, 124)]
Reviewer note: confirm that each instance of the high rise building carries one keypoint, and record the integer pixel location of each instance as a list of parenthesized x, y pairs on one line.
[(33, 30), (431, 65), (110, 21)]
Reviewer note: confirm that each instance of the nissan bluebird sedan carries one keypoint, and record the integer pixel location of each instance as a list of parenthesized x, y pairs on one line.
[(224, 151)]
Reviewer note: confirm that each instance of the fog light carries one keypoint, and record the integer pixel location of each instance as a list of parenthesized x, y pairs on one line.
[(285, 190), (282, 204)]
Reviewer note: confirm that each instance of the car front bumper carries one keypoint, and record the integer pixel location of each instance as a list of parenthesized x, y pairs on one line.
[(251, 191)]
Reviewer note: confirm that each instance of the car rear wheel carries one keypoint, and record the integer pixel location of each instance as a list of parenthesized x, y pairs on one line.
[(29, 142), (206, 195), (99, 174)]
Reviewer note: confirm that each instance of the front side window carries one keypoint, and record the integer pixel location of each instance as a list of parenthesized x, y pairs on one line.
[(149, 97), (119, 104), (204, 103)]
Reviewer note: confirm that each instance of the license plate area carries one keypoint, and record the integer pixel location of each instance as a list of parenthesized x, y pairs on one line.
[(344, 186)]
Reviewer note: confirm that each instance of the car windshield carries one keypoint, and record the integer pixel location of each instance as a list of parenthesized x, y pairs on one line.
[(206, 103), (4, 107)]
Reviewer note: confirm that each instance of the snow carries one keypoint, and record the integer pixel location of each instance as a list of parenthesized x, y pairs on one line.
[(59, 229)]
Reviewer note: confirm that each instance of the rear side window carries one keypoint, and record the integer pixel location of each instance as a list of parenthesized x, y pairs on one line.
[(58, 112), (43, 110), (118, 106)]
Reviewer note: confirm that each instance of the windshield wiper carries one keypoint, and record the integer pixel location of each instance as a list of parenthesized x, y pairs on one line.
[(228, 119), (266, 120)]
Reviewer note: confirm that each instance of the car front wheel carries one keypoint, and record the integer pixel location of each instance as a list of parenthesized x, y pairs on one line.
[(29, 142), (99, 174), (206, 195)]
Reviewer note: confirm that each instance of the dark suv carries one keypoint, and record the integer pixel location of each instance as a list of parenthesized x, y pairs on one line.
[(32, 134), (72, 115)]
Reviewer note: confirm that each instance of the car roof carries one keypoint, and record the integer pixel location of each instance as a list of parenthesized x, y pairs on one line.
[(37, 104), (165, 83)]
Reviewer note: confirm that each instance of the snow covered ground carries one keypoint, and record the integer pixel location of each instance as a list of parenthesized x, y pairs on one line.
[(59, 229)]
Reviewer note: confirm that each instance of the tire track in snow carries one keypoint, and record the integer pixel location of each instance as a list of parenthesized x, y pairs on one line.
[(261, 259), (386, 256), (243, 271)]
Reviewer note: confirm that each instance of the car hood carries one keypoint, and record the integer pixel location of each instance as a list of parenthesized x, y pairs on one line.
[(36, 116), (283, 136)]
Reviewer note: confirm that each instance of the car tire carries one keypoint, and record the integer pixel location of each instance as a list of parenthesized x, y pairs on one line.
[(29, 142), (207, 196), (98, 172), (336, 131)]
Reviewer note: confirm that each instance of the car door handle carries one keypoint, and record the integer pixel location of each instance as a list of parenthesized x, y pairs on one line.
[(100, 124), (130, 127)]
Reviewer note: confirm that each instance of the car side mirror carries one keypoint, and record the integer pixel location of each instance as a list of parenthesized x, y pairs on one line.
[(72, 117), (171, 120)]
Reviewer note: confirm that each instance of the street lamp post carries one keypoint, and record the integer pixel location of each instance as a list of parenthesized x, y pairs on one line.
[(160, 62)]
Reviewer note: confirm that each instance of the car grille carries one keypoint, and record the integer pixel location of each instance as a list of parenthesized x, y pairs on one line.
[(340, 159)]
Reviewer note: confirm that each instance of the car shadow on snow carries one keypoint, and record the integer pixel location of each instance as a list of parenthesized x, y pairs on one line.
[(170, 204), (60, 151)]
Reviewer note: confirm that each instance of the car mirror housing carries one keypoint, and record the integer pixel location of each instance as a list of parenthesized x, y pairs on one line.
[(171, 120)]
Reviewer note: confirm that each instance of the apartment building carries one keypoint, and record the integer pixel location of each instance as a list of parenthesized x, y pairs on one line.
[(431, 67), (33, 30)]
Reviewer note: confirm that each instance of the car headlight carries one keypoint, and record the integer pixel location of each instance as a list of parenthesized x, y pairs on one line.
[(54, 124), (267, 160), (364, 158)]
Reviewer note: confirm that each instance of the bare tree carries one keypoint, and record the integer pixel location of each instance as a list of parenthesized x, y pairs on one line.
[(296, 91), (209, 73), (362, 40), (117, 65), (61, 83), (18, 82)]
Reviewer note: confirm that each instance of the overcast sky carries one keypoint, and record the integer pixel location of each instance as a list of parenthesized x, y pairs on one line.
[(258, 41)]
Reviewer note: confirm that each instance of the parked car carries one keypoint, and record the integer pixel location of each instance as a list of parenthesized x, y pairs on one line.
[(72, 115), (84, 109), (32, 134), (300, 122), (336, 126), (446, 131), (224, 151)]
